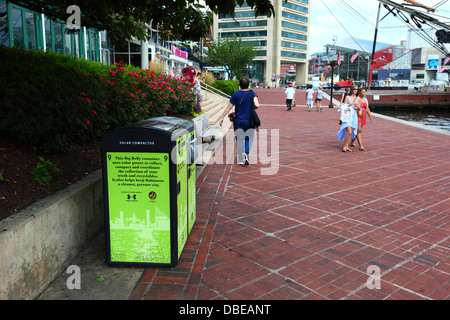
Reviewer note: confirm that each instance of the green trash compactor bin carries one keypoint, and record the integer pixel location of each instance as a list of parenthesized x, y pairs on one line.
[(149, 189)]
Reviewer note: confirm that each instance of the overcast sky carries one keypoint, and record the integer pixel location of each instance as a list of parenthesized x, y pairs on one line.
[(359, 20)]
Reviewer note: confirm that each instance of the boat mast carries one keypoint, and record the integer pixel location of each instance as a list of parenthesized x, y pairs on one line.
[(374, 44)]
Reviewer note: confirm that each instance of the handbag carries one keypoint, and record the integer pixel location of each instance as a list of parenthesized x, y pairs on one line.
[(255, 122), (293, 103), (346, 113)]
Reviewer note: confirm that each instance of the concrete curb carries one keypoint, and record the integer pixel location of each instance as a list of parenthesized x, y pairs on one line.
[(38, 242)]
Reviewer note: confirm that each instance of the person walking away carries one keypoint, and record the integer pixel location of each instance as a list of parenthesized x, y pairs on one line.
[(198, 92), (362, 115), (309, 97), (344, 95), (241, 99), (349, 126), (290, 96), (319, 98)]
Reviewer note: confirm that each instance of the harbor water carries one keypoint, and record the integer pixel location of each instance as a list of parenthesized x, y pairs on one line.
[(435, 118)]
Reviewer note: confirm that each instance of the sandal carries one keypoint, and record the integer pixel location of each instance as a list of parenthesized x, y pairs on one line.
[(361, 148), (352, 145)]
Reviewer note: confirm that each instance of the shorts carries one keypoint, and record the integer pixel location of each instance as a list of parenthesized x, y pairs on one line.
[(199, 97), (309, 101), (319, 99)]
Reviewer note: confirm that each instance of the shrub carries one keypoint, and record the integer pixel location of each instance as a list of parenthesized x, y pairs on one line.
[(227, 86), (52, 100), (209, 78)]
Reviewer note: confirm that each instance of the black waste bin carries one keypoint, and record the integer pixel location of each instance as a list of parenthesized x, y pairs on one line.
[(149, 191)]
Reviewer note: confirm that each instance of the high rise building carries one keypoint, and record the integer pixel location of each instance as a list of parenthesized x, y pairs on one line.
[(281, 39)]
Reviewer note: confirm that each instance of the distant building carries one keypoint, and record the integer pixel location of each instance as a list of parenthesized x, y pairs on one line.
[(282, 39), (316, 62)]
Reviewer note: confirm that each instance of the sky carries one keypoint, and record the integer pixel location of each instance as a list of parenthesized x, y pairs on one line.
[(359, 21)]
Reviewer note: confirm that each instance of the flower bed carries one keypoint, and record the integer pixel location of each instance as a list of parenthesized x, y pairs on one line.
[(53, 101)]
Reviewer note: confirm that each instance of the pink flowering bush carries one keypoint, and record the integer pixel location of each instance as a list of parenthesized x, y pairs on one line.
[(127, 95), (52, 101)]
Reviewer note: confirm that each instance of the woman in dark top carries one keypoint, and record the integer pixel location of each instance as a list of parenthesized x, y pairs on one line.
[(241, 99)]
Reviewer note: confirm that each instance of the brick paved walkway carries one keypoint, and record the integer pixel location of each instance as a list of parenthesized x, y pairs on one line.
[(312, 230)]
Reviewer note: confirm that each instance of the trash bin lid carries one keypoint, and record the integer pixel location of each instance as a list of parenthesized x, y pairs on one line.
[(155, 123), (174, 120)]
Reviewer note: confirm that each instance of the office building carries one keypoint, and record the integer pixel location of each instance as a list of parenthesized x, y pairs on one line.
[(282, 39)]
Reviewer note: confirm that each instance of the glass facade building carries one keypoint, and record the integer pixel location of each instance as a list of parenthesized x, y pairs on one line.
[(33, 30), (282, 39)]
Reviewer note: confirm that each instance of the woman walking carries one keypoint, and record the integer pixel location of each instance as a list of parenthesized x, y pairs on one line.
[(364, 104), (319, 97), (349, 126), (242, 100)]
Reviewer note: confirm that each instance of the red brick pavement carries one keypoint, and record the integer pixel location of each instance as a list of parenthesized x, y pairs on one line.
[(311, 230)]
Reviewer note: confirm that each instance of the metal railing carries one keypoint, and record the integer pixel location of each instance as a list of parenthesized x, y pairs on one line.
[(209, 88)]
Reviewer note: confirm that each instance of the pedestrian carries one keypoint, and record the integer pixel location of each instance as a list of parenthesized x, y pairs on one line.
[(174, 73), (290, 96), (189, 73), (349, 119), (198, 92), (241, 99), (344, 95), (362, 115), (319, 97), (157, 58), (309, 97)]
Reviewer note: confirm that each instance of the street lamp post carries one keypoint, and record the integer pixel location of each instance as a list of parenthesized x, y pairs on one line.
[(332, 64)]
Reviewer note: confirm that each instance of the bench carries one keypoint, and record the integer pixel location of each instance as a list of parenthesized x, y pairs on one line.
[(203, 129)]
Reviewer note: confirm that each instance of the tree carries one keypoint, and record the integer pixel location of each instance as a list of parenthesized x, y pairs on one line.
[(181, 19), (233, 53)]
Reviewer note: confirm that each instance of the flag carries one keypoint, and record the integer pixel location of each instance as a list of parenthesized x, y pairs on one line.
[(339, 59), (447, 59), (354, 56)]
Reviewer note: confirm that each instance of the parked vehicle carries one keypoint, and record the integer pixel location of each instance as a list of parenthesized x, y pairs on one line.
[(328, 86)]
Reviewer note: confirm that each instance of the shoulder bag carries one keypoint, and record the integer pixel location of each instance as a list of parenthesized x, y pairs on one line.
[(255, 122)]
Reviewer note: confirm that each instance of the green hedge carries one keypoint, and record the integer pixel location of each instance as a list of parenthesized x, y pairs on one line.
[(52, 100), (227, 86)]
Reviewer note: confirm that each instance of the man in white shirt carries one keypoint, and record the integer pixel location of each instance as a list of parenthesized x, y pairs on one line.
[(290, 95)]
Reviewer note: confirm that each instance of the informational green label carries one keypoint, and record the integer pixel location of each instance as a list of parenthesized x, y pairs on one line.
[(139, 207), (182, 192), (192, 192)]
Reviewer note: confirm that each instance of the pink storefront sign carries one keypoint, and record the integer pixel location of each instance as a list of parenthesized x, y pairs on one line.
[(179, 53)]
